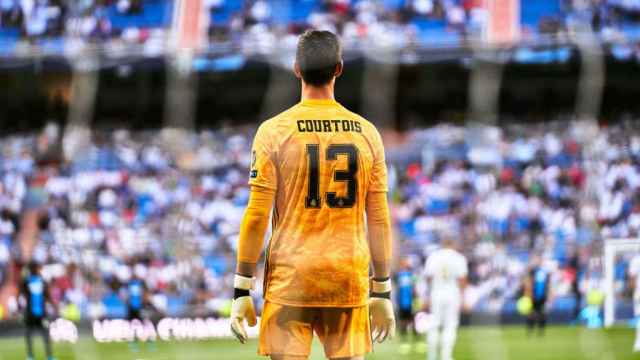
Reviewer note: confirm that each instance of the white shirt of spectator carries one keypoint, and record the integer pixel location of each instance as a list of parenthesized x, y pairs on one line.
[(445, 267), (261, 10), (611, 205), (456, 15), (423, 7), (634, 270)]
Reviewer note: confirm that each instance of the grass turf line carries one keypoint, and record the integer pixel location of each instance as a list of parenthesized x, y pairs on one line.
[(506, 343)]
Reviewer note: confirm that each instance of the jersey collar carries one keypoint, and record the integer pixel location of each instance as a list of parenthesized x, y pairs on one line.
[(318, 102)]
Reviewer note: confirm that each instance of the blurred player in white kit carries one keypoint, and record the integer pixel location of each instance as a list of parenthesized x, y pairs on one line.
[(446, 272), (634, 278)]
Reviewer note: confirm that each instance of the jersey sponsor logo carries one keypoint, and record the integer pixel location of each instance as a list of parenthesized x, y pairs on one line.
[(36, 287), (329, 126), (136, 290)]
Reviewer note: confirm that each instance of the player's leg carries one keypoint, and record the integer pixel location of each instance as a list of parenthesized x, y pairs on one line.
[(577, 308), (532, 318), (405, 324), (451, 320), (133, 314), (433, 340), (344, 332), (287, 357), (433, 333), (542, 318), (636, 346), (44, 331), (636, 310), (28, 335), (286, 331)]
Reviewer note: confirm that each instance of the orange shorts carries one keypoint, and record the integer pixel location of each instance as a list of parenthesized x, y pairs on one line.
[(288, 330)]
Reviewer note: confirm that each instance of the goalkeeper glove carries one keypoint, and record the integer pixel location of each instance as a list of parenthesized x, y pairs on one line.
[(383, 322), (242, 307)]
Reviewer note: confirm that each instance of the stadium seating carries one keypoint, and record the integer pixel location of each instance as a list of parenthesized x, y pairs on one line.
[(154, 14), (532, 11)]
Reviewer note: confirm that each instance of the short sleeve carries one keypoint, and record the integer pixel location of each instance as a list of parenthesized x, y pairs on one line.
[(378, 179), (429, 267), (634, 266), (263, 169), (464, 269)]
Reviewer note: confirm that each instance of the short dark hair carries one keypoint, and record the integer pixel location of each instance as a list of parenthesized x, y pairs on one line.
[(34, 267), (318, 54)]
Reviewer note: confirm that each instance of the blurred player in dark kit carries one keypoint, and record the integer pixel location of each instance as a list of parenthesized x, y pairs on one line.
[(34, 295), (537, 288), (404, 295)]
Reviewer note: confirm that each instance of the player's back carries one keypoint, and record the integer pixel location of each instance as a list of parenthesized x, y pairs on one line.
[(446, 267), (634, 271), (322, 160)]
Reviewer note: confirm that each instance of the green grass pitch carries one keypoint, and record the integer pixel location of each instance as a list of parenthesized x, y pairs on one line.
[(560, 343)]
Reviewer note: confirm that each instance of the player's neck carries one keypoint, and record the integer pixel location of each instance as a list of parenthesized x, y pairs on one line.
[(317, 92)]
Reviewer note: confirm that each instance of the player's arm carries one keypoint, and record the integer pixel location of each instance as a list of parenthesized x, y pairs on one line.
[(463, 281), (633, 274), (550, 291), (528, 286), (377, 209), (263, 182), (22, 295), (252, 230), (379, 234), (462, 285), (427, 276), (46, 292), (379, 237)]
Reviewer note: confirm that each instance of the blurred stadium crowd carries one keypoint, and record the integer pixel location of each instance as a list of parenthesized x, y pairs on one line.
[(263, 23), (129, 205)]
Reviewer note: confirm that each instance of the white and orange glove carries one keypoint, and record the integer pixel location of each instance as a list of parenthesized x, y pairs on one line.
[(242, 307), (383, 321)]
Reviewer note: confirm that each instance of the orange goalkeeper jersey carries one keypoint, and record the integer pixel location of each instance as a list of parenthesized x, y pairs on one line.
[(321, 160)]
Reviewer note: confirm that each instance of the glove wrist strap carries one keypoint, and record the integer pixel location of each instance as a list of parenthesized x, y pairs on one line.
[(238, 293), (243, 282), (241, 286), (381, 288)]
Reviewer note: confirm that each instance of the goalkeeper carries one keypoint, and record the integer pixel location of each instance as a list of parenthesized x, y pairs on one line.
[(317, 168)]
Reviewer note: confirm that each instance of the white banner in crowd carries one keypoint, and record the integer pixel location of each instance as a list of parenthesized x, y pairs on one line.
[(167, 329)]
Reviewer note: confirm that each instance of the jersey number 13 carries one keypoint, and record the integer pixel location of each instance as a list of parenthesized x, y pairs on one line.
[(313, 199)]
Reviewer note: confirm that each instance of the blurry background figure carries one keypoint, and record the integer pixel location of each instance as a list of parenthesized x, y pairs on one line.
[(34, 298), (593, 287), (537, 288), (634, 283), (405, 294), (446, 272), (575, 270), (136, 292), (137, 299)]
